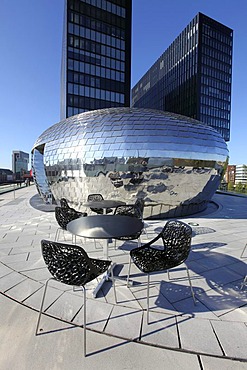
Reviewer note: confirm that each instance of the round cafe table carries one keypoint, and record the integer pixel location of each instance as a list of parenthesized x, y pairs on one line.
[(105, 227)]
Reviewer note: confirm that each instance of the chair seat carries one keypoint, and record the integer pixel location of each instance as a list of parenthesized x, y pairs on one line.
[(153, 260)]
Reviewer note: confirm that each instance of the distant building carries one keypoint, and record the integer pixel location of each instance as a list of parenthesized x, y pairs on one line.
[(193, 76), (230, 174), (20, 161), (96, 60), (241, 174), (6, 175)]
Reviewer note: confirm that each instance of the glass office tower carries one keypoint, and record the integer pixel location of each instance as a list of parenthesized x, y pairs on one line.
[(96, 57), (193, 76), (20, 161)]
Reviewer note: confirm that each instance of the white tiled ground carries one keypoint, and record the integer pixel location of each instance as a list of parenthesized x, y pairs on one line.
[(216, 326)]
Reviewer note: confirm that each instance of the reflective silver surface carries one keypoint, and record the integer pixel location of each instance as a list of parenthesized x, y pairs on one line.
[(173, 162)]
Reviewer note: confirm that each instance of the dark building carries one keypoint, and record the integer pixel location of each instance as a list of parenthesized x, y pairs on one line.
[(96, 59), (20, 161), (6, 175), (193, 76)]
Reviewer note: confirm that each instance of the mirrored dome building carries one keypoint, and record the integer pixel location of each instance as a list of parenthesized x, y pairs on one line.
[(173, 162)]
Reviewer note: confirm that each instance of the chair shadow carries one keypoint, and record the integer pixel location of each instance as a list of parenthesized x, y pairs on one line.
[(207, 246), (196, 230), (207, 300), (223, 292)]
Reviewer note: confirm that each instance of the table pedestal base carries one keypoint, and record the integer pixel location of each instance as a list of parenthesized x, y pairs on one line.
[(106, 277)]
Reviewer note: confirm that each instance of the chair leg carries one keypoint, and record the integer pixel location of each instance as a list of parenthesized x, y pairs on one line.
[(191, 288), (85, 322), (242, 254), (128, 277), (244, 282), (57, 233), (139, 242), (42, 304), (168, 274), (145, 230), (113, 283), (148, 281)]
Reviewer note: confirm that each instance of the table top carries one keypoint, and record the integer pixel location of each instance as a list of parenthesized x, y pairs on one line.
[(106, 203), (105, 226)]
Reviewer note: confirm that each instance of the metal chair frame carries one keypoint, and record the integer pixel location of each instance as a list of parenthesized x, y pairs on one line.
[(176, 237), (64, 262), (64, 215)]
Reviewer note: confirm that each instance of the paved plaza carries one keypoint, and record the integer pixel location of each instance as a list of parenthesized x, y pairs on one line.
[(211, 334)]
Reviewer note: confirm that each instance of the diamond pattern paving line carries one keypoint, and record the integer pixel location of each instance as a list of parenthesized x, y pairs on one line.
[(215, 327)]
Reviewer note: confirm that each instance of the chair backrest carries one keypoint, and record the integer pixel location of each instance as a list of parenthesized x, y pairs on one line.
[(140, 205), (61, 218), (95, 198), (176, 236), (67, 263), (64, 203), (127, 210), (131, 211), (65, 215)]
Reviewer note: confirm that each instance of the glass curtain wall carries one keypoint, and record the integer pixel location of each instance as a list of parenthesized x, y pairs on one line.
[(96, 55)]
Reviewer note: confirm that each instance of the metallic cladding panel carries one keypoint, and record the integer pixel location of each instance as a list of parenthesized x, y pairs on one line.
[(173, 162)]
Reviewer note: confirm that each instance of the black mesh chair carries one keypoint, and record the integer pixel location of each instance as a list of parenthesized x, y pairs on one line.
[(70, 265), (65, 206), (176, 238), (139, 203), (97, 198), (64, 215), (131, 211)]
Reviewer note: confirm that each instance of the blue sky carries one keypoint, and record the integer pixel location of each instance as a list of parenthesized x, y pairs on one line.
[(31, 44)]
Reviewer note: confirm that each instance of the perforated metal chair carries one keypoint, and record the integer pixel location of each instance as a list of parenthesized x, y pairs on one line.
[(176, 238), (97, 198), (65, 206), (63, 216), (70, 265), (131, 211)]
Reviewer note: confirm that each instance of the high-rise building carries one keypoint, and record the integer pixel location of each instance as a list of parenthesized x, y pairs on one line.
[(96, 58), (193, 76), (20, 162)]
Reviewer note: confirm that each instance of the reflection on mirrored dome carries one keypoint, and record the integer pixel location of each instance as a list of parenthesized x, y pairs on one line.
[(174, 163)]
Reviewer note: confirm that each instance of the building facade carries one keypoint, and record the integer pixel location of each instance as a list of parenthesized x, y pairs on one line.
[(241, 174), (96, 60), (193, 76), (20, 161)]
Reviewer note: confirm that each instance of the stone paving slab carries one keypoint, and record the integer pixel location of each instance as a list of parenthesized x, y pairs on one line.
[(216, 272), (232, 337), (61, 346), (201, 336)]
